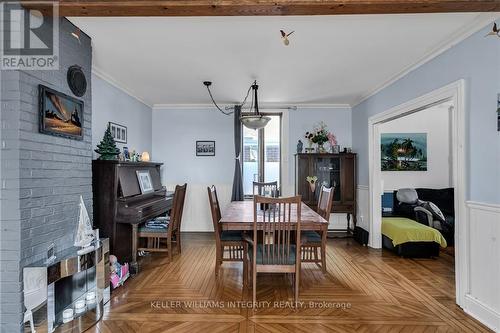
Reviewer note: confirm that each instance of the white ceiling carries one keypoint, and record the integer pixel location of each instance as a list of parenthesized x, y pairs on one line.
[(330, 59)]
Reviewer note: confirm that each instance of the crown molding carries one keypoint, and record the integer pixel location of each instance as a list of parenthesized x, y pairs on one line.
[(109, 79), (187, 106), (262, 106), (479, 23), (322, 106)]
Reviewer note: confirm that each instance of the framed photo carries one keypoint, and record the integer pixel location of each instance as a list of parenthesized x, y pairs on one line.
[(145, 182), (119, 132), (60, 114), (205, 148)]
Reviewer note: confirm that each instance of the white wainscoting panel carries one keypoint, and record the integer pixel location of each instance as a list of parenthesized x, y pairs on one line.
[(196, 215), (338, 221), (363, 209), (482, 300)]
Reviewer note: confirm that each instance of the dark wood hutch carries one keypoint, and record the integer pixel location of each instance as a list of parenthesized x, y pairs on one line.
[(337, 170)]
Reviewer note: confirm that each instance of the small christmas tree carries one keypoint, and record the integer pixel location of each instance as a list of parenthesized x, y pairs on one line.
[(107, 147)]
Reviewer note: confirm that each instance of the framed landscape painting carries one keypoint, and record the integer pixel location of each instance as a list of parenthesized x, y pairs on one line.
[(403, 151), (60, 114)]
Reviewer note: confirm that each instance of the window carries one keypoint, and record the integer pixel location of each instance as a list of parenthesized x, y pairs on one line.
[(262, 154)]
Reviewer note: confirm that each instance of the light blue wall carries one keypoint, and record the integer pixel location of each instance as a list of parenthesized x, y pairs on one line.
[(477, 60), (175, 133), (303, 120), (113, 104)]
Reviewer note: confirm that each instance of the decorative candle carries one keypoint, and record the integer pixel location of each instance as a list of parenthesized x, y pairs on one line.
[(67, 315), (80, 306)]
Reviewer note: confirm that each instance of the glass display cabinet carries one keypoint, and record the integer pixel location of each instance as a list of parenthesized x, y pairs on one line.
[(338, 170)]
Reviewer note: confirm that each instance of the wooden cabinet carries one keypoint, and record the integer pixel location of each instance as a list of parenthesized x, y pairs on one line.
[(337, 170)]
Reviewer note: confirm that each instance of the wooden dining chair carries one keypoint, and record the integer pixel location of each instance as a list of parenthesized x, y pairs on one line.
[(314, 242), (172, 233), (276, 239), (269, 189), (230, 245)]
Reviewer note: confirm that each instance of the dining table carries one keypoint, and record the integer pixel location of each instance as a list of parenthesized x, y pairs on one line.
[(238, 216)]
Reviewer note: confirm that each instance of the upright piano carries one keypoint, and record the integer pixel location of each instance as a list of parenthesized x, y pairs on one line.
[(119, 206)]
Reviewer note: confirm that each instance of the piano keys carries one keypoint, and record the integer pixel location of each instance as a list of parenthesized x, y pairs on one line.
[(119, 206)]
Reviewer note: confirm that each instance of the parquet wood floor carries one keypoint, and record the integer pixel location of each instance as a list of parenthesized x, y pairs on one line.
[(365, 290)]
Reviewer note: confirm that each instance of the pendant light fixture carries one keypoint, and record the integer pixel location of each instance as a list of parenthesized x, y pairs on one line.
[(252, 119)]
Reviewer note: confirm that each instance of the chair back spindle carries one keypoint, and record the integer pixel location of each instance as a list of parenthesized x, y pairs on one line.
[(269, 189), (325, 201)]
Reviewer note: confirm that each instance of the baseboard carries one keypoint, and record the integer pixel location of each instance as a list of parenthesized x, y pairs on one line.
[(361, 235), (482, 312)]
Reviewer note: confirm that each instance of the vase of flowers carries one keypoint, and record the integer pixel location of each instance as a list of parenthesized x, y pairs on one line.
[(319, 136), (312, 182)]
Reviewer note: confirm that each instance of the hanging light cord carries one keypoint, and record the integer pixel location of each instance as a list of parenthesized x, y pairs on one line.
[(228, 113), (246, 97), (215, 103)]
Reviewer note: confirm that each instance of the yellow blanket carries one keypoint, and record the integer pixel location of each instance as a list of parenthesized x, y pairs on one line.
[(401, 230)]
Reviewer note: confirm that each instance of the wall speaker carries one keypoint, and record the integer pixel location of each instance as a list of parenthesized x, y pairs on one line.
[(77, 81)]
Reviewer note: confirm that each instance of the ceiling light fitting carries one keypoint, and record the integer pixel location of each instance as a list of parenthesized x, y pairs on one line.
[(284, 37), (254, 120), (494, 31), (76, 34), (251, 119)]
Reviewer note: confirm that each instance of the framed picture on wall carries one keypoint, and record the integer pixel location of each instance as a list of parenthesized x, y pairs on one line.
[(119, 132), (205, 148), (60, 114), (403, 151)]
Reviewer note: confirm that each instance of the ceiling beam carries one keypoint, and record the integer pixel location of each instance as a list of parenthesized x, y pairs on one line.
[(264, 7)]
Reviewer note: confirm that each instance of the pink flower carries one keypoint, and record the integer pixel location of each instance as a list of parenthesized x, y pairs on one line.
[(332, 139)]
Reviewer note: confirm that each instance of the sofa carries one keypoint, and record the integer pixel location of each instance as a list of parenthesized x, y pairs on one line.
[(442, 198)]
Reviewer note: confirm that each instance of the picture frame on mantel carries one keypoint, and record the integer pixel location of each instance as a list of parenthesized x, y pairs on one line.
[(118, 132)]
